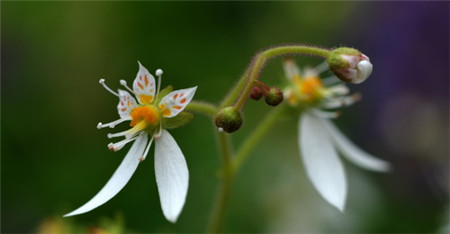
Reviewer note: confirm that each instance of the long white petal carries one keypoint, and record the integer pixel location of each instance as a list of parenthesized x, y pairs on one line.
[(172, 176), (322, 164), (353, 153), (118, 180)]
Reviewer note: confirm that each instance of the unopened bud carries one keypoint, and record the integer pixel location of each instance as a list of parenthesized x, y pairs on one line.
[(255, 93), (350, 65), (228, 119), (274, 96)]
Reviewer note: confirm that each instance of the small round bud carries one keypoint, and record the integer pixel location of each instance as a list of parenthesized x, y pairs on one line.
[(255, 93), (228, 119), (350, 65), (274, 96)]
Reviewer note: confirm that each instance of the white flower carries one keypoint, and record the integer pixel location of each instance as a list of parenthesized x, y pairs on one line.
[(319, 140), (172, 176)]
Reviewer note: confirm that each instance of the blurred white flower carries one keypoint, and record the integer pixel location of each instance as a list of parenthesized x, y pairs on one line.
[(319, 140), (172, 176)]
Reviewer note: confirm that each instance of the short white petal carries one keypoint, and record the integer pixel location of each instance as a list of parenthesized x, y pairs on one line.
[(172, 176), (118, 180), (322, 164), (176, 101), (353, 153)]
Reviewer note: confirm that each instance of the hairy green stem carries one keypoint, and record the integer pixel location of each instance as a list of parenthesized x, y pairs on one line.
[(205, 108), (234, 93), (227, 176), (261, 58)]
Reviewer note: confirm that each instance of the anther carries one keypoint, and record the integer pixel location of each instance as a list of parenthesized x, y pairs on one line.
[(99, 125), (159, 72), (111, 147), (102, 82), (220, 129), (124, 84)]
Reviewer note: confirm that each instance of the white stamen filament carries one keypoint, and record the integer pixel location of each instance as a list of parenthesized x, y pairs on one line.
[(341, 102), (120, 144), (111, 124), (158, 133), (339, 90), (124, 84), (158, 73), (326, 114), (119, 134), (102, 82), (322, 67), (144, 155), (330, 80)]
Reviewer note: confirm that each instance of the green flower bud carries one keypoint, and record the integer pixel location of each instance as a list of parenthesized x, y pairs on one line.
[(274, 96), (350, 65), (228, 119)]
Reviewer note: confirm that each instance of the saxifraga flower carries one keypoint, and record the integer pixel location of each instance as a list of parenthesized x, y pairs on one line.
[(319, 140), (148, 117)]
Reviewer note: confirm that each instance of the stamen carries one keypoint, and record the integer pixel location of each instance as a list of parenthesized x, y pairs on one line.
[(330, 80), (119, 134), (119, 145), (124, 84), (112, 124), (102, 82), (339, 90), (142, 158), (341, 102), (158, 73), (159, 132), (327, 114), (220, 129), (322, 67)]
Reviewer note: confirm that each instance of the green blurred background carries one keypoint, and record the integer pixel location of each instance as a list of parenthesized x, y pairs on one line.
[(54, 159)]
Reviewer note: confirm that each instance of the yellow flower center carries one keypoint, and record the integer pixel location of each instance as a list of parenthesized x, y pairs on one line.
[(308, 90), (149, 113)]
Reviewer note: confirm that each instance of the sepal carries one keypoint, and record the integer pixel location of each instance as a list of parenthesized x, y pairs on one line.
[(177, 121)]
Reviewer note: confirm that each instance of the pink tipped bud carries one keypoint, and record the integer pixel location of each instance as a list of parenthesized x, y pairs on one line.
[(350, 65), (255, 93)]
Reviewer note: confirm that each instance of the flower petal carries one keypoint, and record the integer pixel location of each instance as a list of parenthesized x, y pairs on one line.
[(118, 180), (172, 176), (175, 102), (144, 86), (353, 153), (126, 104), (291, 69), (322, 164)]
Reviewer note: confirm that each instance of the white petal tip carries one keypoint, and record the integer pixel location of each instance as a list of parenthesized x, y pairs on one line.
[(172, 219), (159, 72), (364, 70)]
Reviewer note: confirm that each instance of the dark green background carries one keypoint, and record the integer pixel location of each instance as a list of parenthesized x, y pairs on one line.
[(54, 159)]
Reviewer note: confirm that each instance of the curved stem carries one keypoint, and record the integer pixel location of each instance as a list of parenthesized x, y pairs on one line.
[(234, 93), (205, 108), (261, 58), (256, 136), (218, 212)]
